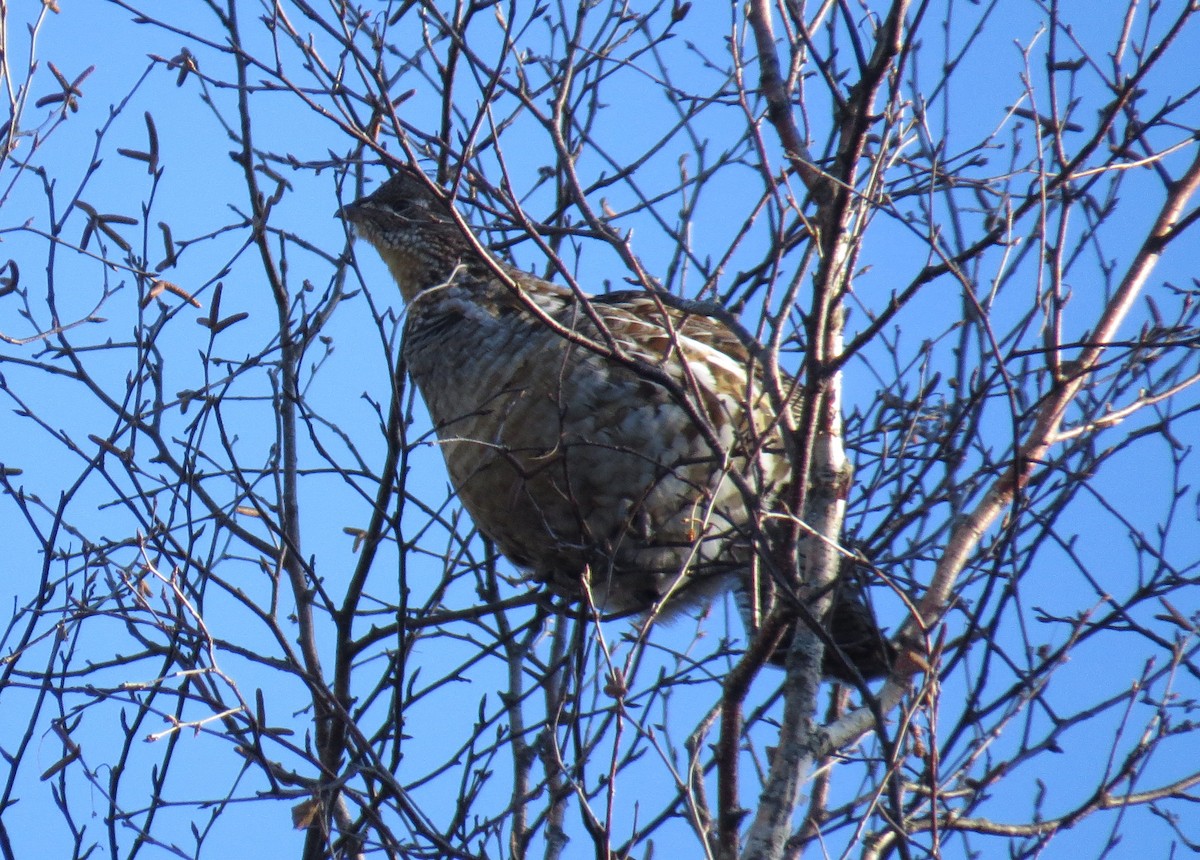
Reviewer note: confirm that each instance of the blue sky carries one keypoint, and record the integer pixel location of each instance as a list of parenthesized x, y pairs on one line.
[(194, 194)]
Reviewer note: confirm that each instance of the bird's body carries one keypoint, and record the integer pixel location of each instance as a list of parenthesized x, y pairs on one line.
[(573, 462), (620, 448)]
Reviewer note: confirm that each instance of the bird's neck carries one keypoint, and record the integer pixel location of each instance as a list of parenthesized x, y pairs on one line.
[(417, 272)]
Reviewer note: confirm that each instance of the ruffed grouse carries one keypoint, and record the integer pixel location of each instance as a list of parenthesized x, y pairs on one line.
[(617, 447)]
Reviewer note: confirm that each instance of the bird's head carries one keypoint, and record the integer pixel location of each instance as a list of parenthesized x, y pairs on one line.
[(410, 223)]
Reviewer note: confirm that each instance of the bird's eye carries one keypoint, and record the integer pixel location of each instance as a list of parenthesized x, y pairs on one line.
[(409, 208)]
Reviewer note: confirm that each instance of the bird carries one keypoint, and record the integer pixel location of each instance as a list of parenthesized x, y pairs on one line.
[(622, 449)]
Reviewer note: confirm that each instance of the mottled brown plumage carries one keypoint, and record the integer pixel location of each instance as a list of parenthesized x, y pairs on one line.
[(619, 448)]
